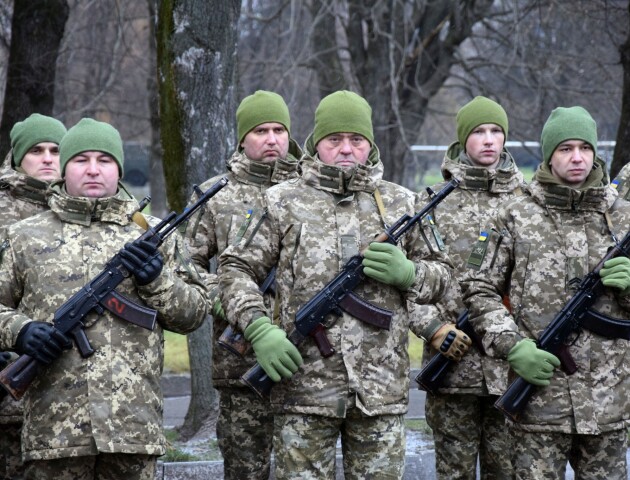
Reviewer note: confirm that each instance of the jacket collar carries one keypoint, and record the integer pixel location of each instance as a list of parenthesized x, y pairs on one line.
[(257, 173), (330, 178), (23, 186), (83, 211), (504, 179)]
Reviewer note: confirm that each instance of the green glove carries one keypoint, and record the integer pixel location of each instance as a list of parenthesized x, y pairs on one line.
[(531, 363), (277, 356), (217, 310), (388, 264), (616, 274)]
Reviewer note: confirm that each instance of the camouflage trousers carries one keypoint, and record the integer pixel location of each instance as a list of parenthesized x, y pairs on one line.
[(104, 466), (545, 455), (10, 451), (244, 434), (372, 447), (466, 427)]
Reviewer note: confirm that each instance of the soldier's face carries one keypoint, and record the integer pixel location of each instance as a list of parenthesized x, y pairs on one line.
[(485, 144), (266, 142), (345, 150), (92, 174), (42, 162), (571, 162)]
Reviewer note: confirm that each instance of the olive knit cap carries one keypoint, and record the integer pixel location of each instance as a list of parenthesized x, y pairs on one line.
[(572, 123), (91, 135), (343, 112), (33, 130), (261, 107), (478, 111)]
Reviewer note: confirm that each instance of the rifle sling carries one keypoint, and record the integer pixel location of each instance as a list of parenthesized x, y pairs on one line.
[(606, 326)]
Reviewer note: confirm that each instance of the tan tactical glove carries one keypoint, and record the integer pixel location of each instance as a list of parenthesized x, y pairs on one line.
[(451, 342)]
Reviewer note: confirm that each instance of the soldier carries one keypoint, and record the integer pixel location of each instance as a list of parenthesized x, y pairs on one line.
[(462, 416), (266, 156), (621, 183), (537, 249), (308, 229), (100, 416), (30, 166)]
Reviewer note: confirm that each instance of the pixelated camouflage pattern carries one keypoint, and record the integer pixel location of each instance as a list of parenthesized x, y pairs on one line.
[(308, 230), (244, 434), (621, 183), (372, 447), (545, 455), (223, 221), (105, 465), (21, 196), (110, 401), (10, 452), (466, 427), (459, 219), (551, 239)]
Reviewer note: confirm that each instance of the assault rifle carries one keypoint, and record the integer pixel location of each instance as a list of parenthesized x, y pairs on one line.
[(232, 339), (432, 376), (338, 295), (575, 314), (100, 295)]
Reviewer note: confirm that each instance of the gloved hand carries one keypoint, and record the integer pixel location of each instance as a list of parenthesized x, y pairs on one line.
[(143, 260), (388, 264), (531, 363), (217, 310), (278, 357), (5, 358), (42, 341), (616, 274), (451, 342)]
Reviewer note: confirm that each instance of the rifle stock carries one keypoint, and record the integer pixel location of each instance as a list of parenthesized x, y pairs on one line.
[(309, 319), (95, 296)]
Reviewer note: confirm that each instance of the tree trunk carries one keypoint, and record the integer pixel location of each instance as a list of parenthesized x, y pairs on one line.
[(622, 145), (157, 183), (36, 31), (196, 43)]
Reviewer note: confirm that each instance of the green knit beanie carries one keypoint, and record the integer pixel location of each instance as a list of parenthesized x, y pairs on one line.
[(91, 135), (261, 107), (573, 123), (343, 112), (478, 111), (33, 130)]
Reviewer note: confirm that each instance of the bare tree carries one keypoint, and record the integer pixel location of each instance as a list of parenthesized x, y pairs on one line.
[(196, 61), (36, 31), (6, 13), (622, 147), (417, 61)]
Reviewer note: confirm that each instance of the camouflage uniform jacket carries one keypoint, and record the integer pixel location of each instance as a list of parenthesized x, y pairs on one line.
[(222, 222), (621, 183), (21, 196), (538, 246), (112, 400), (458, 221), (310, 228)]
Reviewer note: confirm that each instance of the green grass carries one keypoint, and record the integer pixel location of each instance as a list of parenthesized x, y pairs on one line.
[(175, 353), (418, 425)]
